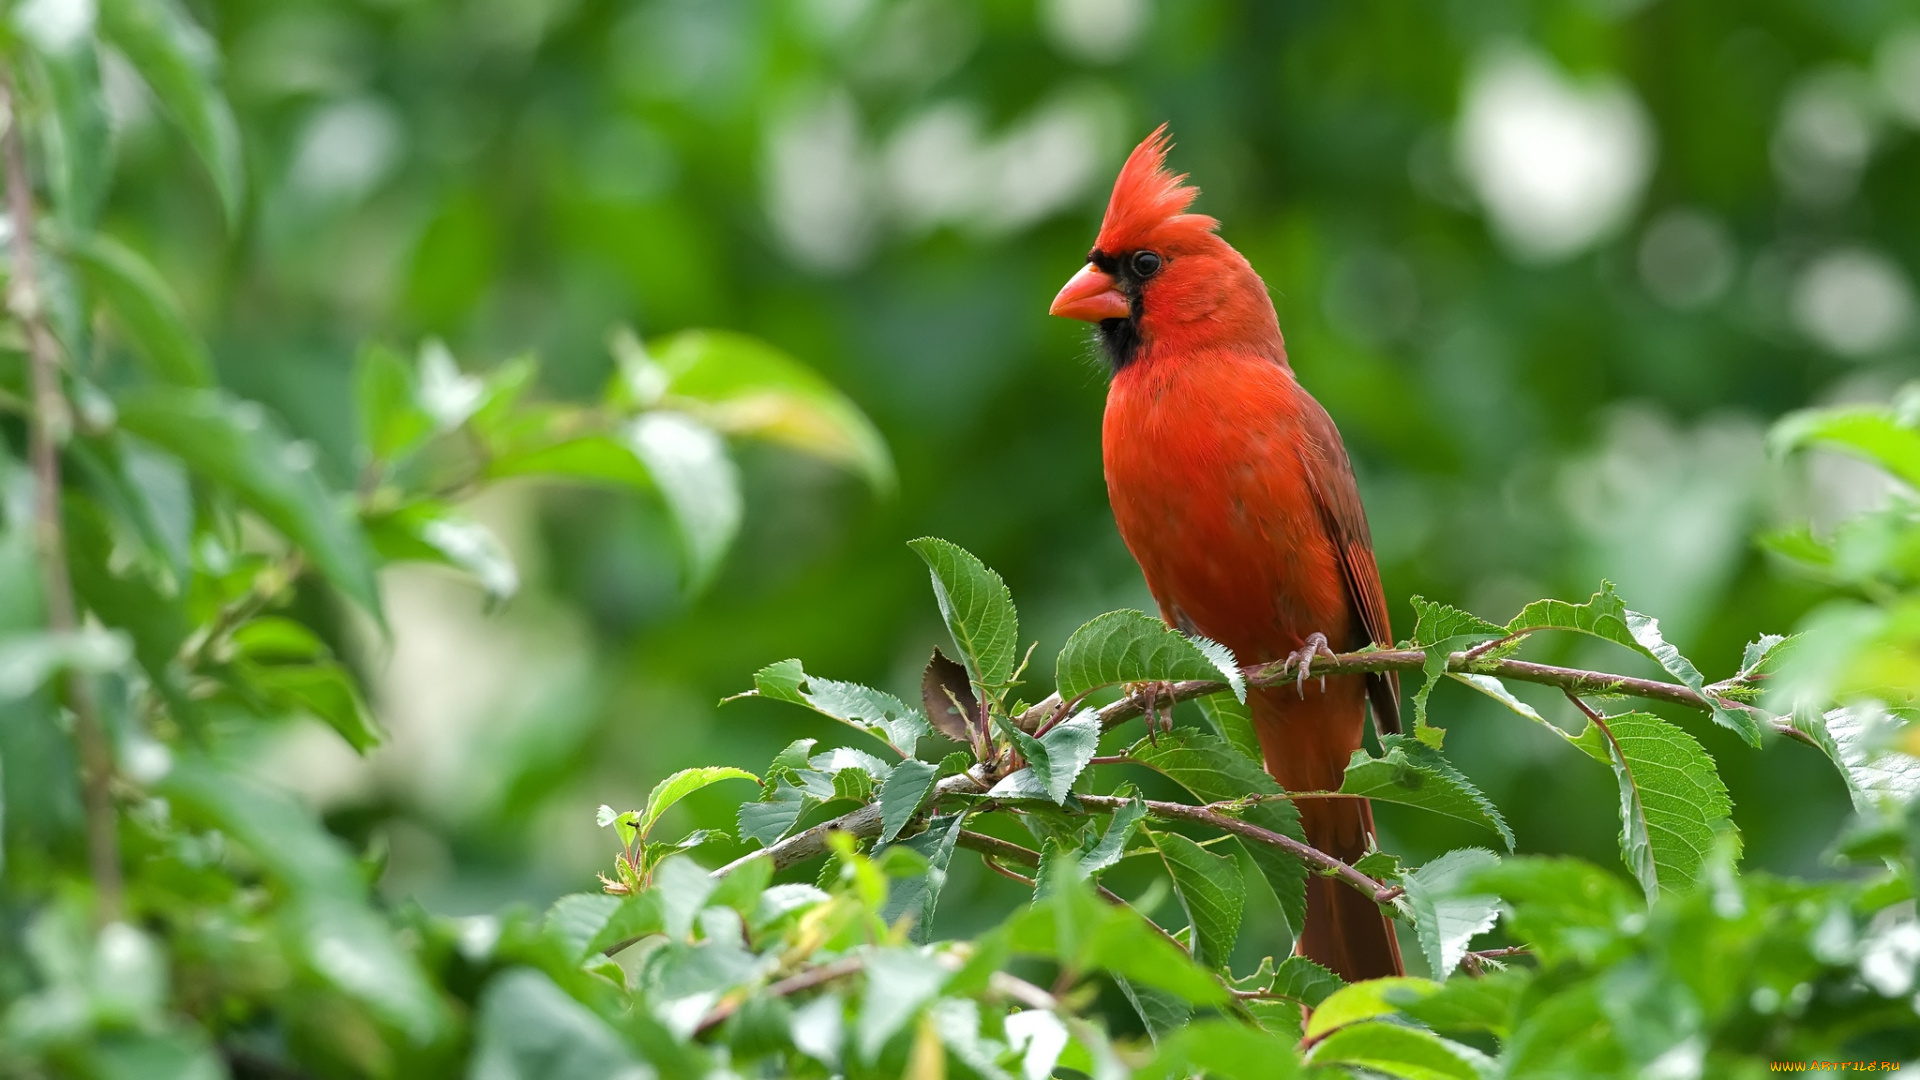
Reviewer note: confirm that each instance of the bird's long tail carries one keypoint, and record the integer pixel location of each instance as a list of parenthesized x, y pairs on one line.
[(1307, 742)]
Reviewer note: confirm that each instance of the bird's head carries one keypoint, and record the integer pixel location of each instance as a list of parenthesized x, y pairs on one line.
[(1158, 274)]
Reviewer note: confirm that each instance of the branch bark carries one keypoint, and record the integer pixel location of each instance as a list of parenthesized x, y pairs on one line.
[(50, 422), (1571, 680)]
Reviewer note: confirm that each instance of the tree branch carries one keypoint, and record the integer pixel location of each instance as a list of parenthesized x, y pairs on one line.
[(792, 984), (996, 849), (51, 421), (1206, 815), (863, 823), (1571, 680)]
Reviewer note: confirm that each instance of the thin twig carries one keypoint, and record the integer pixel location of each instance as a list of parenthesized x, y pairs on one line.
[(51, 422), (1486, 647), (1022, 991), (1065, 710), (272, 580), (792, 984), (994, 865), (1474, 962), (1312, 856)]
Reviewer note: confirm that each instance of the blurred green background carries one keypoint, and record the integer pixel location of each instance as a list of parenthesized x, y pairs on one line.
[(1552, 267)]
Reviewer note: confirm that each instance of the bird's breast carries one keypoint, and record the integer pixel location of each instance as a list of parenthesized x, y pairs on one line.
[(1210, 490)]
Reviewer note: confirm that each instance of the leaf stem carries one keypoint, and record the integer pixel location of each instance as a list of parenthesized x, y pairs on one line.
[(51, 421)]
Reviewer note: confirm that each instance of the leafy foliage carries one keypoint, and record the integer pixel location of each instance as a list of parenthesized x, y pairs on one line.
[(166, 913)]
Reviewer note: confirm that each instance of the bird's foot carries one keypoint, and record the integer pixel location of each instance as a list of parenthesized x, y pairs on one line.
[(1301, 660), (1151, 693)]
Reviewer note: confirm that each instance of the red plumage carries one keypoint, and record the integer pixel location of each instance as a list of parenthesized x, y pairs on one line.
[(1232, 489)]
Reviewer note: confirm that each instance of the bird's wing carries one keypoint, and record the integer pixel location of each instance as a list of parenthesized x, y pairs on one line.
[(1330, 475)]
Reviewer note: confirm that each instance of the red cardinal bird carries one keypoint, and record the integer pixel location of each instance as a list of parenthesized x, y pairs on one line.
[(1233, 491)]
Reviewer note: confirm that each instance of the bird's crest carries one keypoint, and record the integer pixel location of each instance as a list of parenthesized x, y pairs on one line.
[(1147, 196)]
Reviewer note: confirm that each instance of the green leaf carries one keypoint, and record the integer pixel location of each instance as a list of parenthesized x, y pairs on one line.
[(1672, 803), (1760, 652), (273, 638), (29, 660), (699, 482), (392, 423), (779, 808), (1215, 772), (1234, 721), (1432, 669), (682, 784), (683, 889), (1561, 907), (1498, 691), (782, 681), (1400, 1051), (844, 758), (1113, 843), (178, 61), (527, 1028), (1485, 1003), (1415, 774), (1304, 981), (1602, 616), (1646, 631), (142, 305), (1161, 1012), (918, 895), (978, 611), (1210, 890), (75, 140), (1082, 931), (899, 982), (1435, 622), (235, 444), (901, 795), (743, 386), (340, 937), (1223, 1050), (537, 451), (325, 690), (1057, 758), (1447, 913), (1871, 432), (429, 532), (1363, 1001), (575, 920), (171, 1055), (875, 712), (1860, 740), (1132, 646)]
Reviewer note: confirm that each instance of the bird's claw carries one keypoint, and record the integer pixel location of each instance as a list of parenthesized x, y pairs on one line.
[(1301, 660), (1151, 708)]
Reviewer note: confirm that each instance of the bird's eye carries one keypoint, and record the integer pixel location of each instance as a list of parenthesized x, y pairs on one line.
[(1146, 263)]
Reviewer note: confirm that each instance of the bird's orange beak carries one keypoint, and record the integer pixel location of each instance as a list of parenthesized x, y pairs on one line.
[(1091, 296)]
